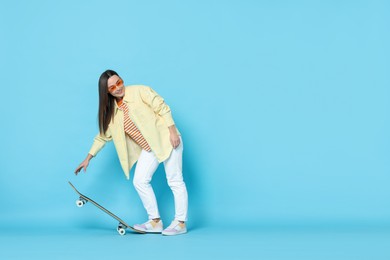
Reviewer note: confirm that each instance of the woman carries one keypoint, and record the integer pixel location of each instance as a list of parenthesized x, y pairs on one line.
[(141, 126)]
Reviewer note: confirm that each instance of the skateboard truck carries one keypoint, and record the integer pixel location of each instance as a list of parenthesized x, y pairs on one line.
[(121, 229)]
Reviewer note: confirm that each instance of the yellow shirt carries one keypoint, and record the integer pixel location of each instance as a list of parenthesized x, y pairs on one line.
[(151, 115)]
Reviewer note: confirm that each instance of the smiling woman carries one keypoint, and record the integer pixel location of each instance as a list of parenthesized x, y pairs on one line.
[(118, 85), (140, 123)]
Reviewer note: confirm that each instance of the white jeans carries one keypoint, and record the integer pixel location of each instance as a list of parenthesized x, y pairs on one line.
[(144, 170)]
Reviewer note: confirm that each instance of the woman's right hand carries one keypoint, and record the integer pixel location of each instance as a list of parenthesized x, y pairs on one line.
[(83, 165)]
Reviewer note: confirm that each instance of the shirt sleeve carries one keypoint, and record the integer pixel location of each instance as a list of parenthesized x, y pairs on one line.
[(99, 142), (157, 103)]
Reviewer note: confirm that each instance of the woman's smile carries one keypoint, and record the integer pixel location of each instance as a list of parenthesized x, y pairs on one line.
[(120, 91)]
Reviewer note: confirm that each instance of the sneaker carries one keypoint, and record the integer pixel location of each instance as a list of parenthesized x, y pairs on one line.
[(150, 226), (175, 228)]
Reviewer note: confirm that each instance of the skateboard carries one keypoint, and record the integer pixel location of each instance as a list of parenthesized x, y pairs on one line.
[(121, 226)]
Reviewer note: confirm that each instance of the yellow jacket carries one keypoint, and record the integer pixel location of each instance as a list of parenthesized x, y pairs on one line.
[(151, 115)]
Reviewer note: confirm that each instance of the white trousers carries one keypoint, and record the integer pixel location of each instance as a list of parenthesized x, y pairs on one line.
[(146, 166)]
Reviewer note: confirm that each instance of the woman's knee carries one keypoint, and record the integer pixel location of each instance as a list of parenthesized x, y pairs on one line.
[(140, 182), (175, 180)]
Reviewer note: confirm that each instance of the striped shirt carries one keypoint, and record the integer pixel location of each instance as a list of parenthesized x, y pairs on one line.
[(131, 129)]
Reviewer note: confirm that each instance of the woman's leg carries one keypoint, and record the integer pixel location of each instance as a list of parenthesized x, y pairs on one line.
[(174, 173), (146, 166)]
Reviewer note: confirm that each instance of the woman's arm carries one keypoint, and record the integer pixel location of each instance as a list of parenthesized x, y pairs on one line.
[(157, 103), (98, 143)]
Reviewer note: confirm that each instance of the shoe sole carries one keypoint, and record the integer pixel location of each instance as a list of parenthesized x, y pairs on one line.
[(176, 234), (146, 231)]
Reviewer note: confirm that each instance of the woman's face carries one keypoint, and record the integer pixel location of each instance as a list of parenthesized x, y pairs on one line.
[(115, 86)]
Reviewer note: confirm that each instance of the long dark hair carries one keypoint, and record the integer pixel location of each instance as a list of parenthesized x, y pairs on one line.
[(106, 101)]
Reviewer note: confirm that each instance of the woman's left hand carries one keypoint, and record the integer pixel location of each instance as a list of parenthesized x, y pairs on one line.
[(174, 137), (175, 140)]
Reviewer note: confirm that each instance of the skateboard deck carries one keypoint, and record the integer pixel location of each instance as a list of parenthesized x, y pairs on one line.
[(122, 224)]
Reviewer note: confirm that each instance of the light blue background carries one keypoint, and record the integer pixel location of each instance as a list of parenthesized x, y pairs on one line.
[(283, 107)]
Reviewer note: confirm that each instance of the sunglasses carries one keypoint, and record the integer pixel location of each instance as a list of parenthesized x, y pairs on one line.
[(112, 88)]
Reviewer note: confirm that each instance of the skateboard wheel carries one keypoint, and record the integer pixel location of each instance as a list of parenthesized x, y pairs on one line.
[(121, 231), (80, 203)]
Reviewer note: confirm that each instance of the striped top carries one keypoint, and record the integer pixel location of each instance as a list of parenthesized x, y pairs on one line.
[(131, 129)]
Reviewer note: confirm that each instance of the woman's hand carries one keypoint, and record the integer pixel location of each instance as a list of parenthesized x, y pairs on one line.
[(174, 137), (83, 165)]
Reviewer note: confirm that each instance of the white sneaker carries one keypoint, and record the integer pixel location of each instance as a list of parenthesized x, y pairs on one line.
[(175, 228), (150, 226)]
